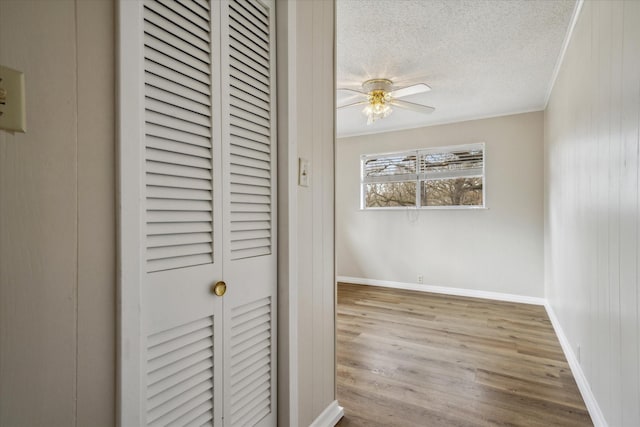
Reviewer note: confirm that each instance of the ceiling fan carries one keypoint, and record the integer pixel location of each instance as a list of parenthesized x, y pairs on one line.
[(379, 95)]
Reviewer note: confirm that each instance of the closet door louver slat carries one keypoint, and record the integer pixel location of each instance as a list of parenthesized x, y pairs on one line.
[(178, 133), (177, 147), (250, 130), (201, 19), (178, 20), (185, 42), (261, 124), (258, 39), (246, 68), (169, 82), (168, 98), (241, 103), (240, 53), (177, 136), (159, 45), (250, 368), (244, 138), (180, 374), (159, 58)]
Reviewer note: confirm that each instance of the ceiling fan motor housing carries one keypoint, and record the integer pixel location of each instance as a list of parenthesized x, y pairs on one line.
[(384, 85)]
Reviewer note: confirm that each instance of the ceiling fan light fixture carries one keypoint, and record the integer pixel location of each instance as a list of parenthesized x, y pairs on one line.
[(379, 105), (379, 95)]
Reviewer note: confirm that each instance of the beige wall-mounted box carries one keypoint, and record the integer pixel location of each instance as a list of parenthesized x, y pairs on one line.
[(13, 115)]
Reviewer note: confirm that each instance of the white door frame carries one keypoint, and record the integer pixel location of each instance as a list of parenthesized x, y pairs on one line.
[(130, 258)]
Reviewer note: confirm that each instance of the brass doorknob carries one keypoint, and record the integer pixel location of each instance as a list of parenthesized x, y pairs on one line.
[(220, 288)]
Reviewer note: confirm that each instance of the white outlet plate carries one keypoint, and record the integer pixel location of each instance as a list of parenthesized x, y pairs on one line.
[(304, 170), (13, 115), (420, 278)]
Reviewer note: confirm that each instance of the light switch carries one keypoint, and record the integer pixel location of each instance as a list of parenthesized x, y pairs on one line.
[(304, 170), (13, 115)]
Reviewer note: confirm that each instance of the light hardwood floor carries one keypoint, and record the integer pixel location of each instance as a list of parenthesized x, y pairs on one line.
[(409, 358)]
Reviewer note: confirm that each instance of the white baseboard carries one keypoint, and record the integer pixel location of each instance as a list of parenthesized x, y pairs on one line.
[(578, 374), (330, 416), (443, 290)]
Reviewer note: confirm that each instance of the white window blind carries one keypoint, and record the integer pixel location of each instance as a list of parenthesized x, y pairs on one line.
[(440, 163), (434, 177), (390, 167)]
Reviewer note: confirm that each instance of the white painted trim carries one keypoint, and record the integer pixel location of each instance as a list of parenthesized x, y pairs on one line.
[(473, 293), (425, 208), (292, 217), (288, 375), (129, 110), (578, 374), (445, 122), (563, 51), (330, 416)]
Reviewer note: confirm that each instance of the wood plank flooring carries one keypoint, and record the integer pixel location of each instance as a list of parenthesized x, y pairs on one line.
[(409, 358)]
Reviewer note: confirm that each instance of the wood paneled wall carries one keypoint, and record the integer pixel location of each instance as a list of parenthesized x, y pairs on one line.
[(591, 203), (306, 241), (57, 218)]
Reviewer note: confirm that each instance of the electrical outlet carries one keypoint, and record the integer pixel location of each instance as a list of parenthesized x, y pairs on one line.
[(420, 278), (578, 353)]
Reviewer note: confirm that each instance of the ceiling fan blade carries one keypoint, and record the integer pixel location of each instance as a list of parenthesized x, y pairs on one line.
[(425, 109), (353, 104), (410, 90), (346, 101), (346, 97), (351, 91)]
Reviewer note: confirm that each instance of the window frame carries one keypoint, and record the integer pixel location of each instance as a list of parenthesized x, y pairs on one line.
[(419, 179)]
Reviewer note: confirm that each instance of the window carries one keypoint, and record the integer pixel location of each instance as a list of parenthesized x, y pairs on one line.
[(442, 177)]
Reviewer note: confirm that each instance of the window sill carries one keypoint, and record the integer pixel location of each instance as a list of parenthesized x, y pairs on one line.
[(427, 208)]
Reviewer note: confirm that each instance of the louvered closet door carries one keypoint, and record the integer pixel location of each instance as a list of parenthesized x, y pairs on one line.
[(249, 167), (197, 126), (182, 333)]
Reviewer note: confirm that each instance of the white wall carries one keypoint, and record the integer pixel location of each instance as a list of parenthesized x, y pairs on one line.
[(306, 243), (57, 220), (591, 212), (498, 249)]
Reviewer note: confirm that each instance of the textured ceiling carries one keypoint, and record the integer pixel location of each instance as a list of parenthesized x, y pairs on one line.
[(481, 58)]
